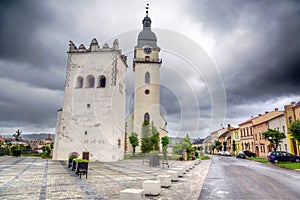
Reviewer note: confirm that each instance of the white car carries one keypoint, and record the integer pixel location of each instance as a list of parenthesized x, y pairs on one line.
[(221, 153), (227, 153)]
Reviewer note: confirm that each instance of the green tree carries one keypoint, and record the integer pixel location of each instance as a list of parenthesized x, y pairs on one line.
[(233, 146), (154, 137), (184, 145), (212, 148), (51, 145), (18, 137), (274, 137), (225, 145), (146, 137), (218, 145), (294, 129), (165, 141), (46, 151), (134, 141)]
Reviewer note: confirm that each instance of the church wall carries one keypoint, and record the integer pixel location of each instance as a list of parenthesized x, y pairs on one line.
[(93, 119)]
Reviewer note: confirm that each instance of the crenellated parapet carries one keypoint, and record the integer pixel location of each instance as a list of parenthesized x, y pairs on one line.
[(94, 47)]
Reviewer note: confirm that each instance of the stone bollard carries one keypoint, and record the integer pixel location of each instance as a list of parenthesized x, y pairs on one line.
[(184, 168), (165, 180), (173, 174), (152, 187), (132, 194), (180, 171)]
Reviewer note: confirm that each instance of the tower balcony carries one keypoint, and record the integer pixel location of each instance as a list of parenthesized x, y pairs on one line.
[(147, 60)]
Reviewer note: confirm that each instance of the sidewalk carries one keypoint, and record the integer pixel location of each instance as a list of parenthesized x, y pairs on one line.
[(36, 178)]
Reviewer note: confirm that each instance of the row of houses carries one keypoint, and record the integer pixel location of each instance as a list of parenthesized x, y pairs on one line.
[(35, 144), (248, 134)]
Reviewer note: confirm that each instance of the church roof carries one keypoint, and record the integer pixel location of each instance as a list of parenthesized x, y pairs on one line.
[(146, 36)]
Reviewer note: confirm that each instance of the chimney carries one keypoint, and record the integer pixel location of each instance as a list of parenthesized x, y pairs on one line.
[(266, 112), (259, 115), (228, 127), (276, 109), (293, 103), (49, 138)]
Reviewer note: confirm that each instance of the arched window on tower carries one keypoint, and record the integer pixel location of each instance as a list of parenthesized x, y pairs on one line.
[(79, 82), (147, 77), (102, 82), (147, 117), (90, 81), (147, 58)]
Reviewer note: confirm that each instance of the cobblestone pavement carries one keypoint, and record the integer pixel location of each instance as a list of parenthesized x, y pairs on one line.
[(36, 178)]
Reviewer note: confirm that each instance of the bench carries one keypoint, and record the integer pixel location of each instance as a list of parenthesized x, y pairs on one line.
[(146, 159), (82, 172), (164, 161)]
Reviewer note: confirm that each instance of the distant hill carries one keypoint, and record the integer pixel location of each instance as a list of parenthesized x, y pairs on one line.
[(34, 136)]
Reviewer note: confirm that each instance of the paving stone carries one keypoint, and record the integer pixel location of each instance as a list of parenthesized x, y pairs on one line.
[(37, 178)]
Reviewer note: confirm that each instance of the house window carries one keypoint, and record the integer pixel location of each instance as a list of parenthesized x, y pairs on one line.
[(102, 82), (90, 81), (147, 58), (88, 105), (147, 117), (283, 129), (85, 132), (79, 82), (147, 91), (119, 143), (147, 77)]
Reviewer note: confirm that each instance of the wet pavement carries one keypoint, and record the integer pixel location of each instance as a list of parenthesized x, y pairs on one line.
[(232, 178), (37, 178)]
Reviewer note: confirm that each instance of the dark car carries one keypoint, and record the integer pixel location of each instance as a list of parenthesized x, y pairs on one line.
[(240, 154), (244, 154), (249, 154), (282, 156)]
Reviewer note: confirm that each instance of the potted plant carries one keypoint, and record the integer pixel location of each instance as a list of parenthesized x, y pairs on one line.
[(72, 156), (81, 166)]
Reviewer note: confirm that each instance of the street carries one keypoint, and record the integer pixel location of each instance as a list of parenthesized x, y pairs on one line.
[(232, 178)]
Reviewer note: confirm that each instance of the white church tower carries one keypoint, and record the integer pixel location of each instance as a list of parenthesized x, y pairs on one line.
[(93, 115), (146, 66)]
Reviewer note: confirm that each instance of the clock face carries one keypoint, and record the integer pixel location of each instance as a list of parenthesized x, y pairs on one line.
[(147, 50)]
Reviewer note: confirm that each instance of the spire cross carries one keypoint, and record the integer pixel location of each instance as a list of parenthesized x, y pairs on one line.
[(147, 7)]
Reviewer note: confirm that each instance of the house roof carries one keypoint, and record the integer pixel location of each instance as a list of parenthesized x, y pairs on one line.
[(267, 117), (2, 139)]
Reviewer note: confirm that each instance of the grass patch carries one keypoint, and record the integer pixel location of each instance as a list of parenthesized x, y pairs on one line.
[(289, 165), (33, 154), (204, 157), (263, 160)]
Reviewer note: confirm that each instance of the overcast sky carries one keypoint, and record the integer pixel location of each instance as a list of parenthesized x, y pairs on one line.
[(223, 61)]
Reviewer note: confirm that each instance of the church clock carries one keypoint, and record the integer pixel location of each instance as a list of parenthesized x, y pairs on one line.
[(147, 50)]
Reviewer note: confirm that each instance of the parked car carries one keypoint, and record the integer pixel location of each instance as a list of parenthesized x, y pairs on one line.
[(221, 153), (227, 153), (240, 154), (282, 156), (249, 154)]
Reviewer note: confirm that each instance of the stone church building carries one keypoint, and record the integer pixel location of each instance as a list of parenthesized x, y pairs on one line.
[(146, 67), (93, 117)]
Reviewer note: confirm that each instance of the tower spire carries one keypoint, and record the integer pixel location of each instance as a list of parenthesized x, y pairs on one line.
[(147, 7)]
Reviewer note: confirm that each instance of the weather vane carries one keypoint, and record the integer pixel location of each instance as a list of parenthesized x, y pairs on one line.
[(147, 7)]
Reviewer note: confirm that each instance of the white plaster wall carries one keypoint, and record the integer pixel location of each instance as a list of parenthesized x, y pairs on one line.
[(279, 123), (104, 120)]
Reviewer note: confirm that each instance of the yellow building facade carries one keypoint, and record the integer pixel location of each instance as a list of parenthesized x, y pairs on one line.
[(235, 136), (289, 112)]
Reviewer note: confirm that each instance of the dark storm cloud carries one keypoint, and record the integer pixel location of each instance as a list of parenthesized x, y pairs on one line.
[(20, 22), (261, 41)]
